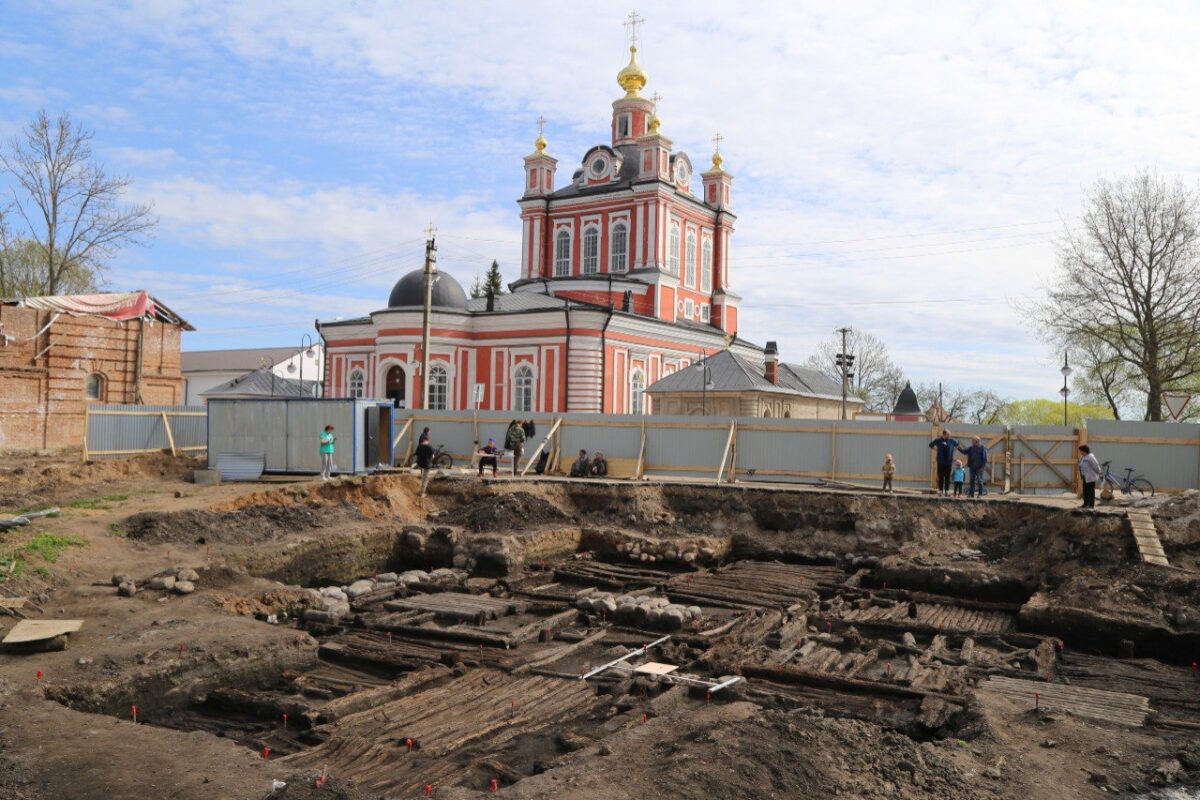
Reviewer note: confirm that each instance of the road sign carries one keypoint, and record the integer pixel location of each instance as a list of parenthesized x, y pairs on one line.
[(478, 396), (1176, 402)]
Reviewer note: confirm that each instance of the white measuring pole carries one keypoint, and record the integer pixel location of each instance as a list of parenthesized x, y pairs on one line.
[(625, 657)]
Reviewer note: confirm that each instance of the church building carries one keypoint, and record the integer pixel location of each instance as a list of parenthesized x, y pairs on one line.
[(625, 278)]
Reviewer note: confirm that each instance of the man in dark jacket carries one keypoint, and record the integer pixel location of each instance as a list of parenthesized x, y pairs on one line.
[(944, 447), (424, 462), (530, 429), (977, 461)]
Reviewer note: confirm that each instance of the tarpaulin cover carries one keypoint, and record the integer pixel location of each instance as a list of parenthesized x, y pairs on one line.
[(110, 305)]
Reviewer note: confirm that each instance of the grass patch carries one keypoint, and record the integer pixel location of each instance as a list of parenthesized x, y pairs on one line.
[(116, 530), (11, 566), (49, 547), (97, 503)]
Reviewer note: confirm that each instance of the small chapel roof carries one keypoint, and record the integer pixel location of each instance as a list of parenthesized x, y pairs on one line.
[(410, 291), (906, 403)]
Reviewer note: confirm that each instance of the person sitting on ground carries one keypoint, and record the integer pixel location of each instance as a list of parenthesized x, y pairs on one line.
[(581, 466), (599, 466), (944, 446), (977, 460), (959, 476), (1090, 471), (424, 462), (488, 458), (889, 471)]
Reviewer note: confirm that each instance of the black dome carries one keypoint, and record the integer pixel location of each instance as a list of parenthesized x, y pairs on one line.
[(410, 291), (906, 403)]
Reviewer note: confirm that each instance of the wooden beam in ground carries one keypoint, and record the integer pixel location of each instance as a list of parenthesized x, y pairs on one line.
[(533, 458), (87, 424), (640, 472), (725, 453), (170, 435)]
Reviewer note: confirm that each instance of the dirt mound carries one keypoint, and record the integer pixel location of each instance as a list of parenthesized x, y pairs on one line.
[(303, 786), (506, 511), (59, 479), (243, 526)]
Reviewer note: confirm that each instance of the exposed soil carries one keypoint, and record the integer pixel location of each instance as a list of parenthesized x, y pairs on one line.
[(872, 636)]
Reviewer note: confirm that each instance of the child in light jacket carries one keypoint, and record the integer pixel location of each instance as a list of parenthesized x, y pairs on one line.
[(959, 476), (889, 471)]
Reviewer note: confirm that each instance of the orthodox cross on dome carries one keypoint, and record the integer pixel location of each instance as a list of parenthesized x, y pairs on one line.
[(654, 98), (632, 21), (717, 139), (430, 231), (539, 144), (541, 123), (717, 158)]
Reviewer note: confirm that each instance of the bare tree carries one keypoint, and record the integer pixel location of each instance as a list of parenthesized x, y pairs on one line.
[(959, 404), (69, 205), (877, 380), (1129, 278)]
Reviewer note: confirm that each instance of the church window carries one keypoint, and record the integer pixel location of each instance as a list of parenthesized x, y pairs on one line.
[(705, 312), (599, 166), (706, 266), (637, 392), (439, 388), (591, 250), (623, 126), (357, 383), (619, 246), (562, 253), (690, 261), (95, 387), (673, 259), (689, 308), (523, 383)]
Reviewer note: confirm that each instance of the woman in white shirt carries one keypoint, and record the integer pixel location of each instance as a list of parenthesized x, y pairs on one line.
[(1089, 470)]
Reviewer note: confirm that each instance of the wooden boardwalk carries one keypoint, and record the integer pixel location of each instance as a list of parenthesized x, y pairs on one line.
[(1119, 707), (1146, 535), (753, 584), (946, 616)]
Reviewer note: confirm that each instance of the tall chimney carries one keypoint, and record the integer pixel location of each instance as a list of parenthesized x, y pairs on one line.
[(772, 362)]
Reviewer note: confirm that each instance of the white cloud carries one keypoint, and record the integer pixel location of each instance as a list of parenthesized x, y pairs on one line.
[(842, 122)]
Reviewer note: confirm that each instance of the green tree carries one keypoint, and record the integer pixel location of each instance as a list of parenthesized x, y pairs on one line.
[(1050, 412), (491, 281)]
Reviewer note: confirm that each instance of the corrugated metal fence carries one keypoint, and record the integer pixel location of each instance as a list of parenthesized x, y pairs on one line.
[(120, 430), (1031, 459)]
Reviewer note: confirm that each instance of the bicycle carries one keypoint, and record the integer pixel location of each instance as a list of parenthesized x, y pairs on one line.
[(1130, 484), (441, 459)]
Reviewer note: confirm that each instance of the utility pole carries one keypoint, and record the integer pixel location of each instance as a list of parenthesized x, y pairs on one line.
[(430, 272), (845, 361)]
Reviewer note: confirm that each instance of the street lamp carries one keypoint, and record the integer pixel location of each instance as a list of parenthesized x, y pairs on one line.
[(702, 366), (308, 352), (1065, 392)]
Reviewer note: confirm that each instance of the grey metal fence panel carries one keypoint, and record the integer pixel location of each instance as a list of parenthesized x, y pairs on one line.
[(1170, 459), (784, 450), (618, 437), (249, 426), (306, 419), (685, 446), (862, 446), (130, 429)]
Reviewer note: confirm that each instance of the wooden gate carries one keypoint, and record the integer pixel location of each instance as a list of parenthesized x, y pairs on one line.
[(1044, 461)]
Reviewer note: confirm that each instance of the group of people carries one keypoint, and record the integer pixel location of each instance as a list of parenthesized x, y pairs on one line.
[(951, 471), (585, 467)]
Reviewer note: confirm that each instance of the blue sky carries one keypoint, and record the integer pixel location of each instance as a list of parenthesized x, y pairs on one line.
[(904, 169)]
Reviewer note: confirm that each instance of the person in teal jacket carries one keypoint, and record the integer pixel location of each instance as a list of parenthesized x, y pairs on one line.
[(959, 476), (327, 440)]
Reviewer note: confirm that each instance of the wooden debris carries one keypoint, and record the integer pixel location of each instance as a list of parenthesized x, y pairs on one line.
[(1118, 707)]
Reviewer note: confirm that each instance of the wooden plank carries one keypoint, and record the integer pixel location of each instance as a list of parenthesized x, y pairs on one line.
[(725, 453), (403, 430), (1145, 535), (640, 472), (533, 458), (170, 436), (103, 413), (37, 630), (87, 423), (1066, 482), (1101, 704)]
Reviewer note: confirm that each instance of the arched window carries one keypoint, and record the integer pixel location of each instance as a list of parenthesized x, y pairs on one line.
[(562, 253), (673, 259), (439, 388), (689, 277), (523, 385), (357, 383), (591, 250), (637, 392), (95, 387), (618, 247), (706, 266)]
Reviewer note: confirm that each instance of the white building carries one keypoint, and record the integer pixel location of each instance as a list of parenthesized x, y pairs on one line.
[(207, 369)]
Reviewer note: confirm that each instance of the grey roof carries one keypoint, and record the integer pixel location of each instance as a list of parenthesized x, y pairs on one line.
[(263, 383), (809, 381), (241, 360), (727, 372), (625, 178), (410, 291), (517, 301)]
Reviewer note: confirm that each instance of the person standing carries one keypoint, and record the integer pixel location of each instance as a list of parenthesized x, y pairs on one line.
[(530, 429), (1089, 471), (958, 476), (514, 440), (424, 462), (889, 472), (977, 461), (424, 436), (944, 447), (327, 440)]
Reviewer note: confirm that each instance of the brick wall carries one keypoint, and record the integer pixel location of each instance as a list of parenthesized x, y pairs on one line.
[(43, 392)]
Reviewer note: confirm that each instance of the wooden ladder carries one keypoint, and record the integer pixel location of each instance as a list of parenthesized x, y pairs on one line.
[(1146, 536)]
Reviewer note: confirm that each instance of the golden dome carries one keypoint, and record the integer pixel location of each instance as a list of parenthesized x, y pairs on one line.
[(633, 78), (539, 145), (717, 160), (654, 123)]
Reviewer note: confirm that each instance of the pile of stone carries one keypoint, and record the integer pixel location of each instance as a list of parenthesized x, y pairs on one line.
[(643, 611), (177, 580), (335, 600)]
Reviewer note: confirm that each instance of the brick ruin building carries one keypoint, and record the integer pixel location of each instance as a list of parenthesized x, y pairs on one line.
[(58, 354)]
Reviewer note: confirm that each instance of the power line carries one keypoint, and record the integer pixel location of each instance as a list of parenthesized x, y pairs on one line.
[(910, 235)]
